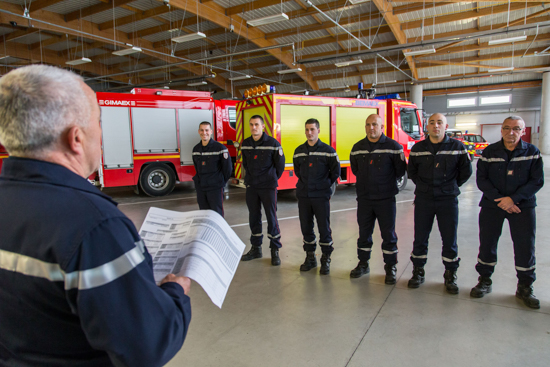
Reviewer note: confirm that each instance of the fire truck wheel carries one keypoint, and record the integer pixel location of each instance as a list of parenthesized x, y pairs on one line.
[(157, 179), (402, 182)]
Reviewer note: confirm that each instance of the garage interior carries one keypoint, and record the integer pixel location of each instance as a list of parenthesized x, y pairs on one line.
[(433, 53)]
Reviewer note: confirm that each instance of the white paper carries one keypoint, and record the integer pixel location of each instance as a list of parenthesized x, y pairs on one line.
[(198, 244)]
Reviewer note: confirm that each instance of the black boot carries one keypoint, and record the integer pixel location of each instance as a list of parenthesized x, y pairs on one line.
[(390, 274), (310, 262), (325, 264), (254, 253), (450, 281), (483, 287), (525, 293), (417, 278), (361, 269), (275, 260)]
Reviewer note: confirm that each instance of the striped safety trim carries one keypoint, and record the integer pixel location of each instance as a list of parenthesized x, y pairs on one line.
[(447, 260), (310, 243), (211, 153), (525, 269), (417, 154), (490, 160), (246, 147), (274, 237), (419, 257), (378, 151), (257, 234), (389, 252), (326, 244), (452, 152), (84, 279), (300, 155), (364, 249), (323, 154), (528, 158), (484, 263)]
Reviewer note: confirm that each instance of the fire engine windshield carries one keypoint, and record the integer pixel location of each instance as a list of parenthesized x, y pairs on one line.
[(409, 122)]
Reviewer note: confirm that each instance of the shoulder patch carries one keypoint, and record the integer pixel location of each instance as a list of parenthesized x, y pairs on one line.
[(402, 156), (281, 151), (225, 155)]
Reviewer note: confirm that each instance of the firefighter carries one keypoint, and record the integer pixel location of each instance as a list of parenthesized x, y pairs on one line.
[(509, 173), (317, 167), (264, 164), (213, 166), (377, 161), (77, 285), (438, 166)]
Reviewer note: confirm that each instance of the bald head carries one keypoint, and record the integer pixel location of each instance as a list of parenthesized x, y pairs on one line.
[(374, 127), (437, 124)]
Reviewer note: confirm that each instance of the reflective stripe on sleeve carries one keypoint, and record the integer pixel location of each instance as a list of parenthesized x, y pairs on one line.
[(85, 279), (484, 263), (417, 154), (528, 158), (525, 269)]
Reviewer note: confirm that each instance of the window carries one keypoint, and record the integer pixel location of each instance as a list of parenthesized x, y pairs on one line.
[(409, 122), (461, 102), (505, 99), (232, 111)]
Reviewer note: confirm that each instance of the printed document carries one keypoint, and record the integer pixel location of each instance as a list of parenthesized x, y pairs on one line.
[(198, 244)]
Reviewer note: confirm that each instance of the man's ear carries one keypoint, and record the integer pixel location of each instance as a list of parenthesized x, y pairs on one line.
[(74, 139)]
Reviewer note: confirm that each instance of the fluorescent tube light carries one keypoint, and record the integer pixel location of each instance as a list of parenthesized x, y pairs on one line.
[(173, 30), (127, 51), (196, 84), (348, 63), (289, 71), (4, 57), (81, 61), (501, 69), (189, 37), (466, 124), (387, 82), (340, 87), (242, 77), (355, 2), (507, 40), (267, 20), (298, 91), (439, 76), (420, 52)]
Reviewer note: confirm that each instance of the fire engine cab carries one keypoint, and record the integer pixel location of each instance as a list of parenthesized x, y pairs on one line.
[(148, 136), (342, 124)]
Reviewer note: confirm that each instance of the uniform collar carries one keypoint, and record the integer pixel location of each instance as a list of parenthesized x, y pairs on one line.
[(260, 141), (521, 145), (32, 170), (445, 140), (306, 144), (382, 139)]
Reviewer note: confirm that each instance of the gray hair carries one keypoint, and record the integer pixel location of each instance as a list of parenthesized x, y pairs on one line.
[(515, 117), (37, 103)]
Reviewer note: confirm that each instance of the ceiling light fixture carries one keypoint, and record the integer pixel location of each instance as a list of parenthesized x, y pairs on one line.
[(420, 52), (189, 37), (501, 69), (80, 61), (289, 71), (267, 20), (439, 76), (507, 40), (242, 77), (348, 63), (355, 2), (340, 87), (127, 51), (387, 82), (173, 30), (197, 84)]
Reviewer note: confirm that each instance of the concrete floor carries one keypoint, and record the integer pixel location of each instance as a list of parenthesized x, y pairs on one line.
[(279, 316)]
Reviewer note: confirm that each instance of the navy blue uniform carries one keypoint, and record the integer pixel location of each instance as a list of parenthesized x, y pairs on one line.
[(264, 164), (76, 282), (377, 167), (317, 169), (214, 167), (519, 176), (437, 176)]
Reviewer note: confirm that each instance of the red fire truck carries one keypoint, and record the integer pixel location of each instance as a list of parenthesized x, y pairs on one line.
[(342, 124), (149, 134), (3, 154)]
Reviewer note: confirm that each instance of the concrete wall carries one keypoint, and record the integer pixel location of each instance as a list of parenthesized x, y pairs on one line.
[(525, 103)]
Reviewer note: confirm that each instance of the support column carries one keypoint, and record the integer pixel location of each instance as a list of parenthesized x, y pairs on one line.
[(544, 135), (416, 95)]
